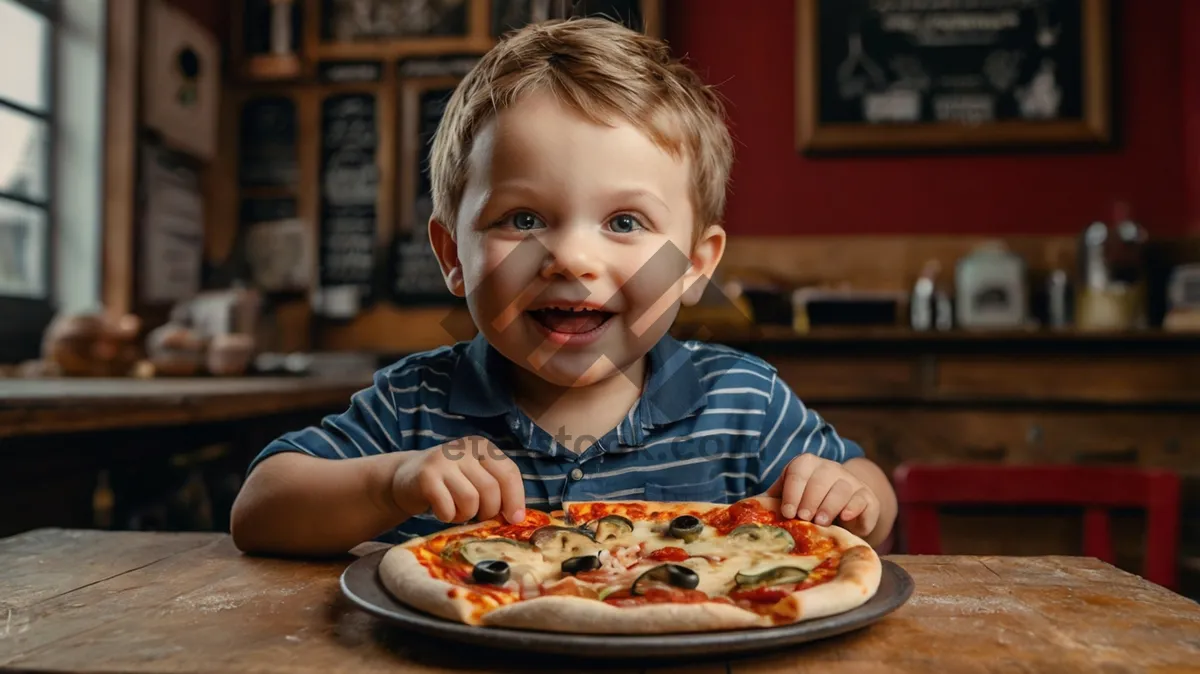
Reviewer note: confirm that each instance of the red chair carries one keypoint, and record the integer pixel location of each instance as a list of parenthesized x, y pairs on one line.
[(922, 488)]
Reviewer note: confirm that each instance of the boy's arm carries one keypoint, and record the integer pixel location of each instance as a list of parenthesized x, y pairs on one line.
[(792, 430), (327, 488), (293, 503)]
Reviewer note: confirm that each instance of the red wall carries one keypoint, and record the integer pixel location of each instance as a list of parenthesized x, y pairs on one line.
[(747, 49), (1190, 26)]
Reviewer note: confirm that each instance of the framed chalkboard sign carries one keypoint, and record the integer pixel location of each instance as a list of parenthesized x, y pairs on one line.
[(349, 190), (358, 29), (268, 143), (416, 273), (640, 15), (952, 74)]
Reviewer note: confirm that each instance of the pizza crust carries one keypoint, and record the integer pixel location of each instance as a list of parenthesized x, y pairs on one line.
[(858, 578), (409, 582), (575, 614), (857, 581)]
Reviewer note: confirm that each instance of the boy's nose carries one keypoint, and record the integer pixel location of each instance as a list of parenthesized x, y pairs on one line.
[(568, 254)]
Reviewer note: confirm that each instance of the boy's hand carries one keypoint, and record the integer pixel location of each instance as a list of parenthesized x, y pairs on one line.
[(820, 490), (464, 479)]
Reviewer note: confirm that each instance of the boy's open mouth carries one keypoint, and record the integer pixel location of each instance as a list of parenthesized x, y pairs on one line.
[(573, 321)]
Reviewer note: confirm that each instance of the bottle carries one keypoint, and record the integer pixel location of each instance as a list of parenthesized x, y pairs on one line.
[(102, 502), (1058, 295), (922, 307)]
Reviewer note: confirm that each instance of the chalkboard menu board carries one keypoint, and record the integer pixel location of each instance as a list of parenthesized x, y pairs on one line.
[(911, 73), (512, 14), (368, 20), (266, 210), (268, 143), (417, 276), (349, 190)]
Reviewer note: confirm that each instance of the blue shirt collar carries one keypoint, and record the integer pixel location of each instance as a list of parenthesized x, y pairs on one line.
[(673, 389)]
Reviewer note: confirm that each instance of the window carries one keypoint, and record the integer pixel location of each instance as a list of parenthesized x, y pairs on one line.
[(26, 117), (51, 148)]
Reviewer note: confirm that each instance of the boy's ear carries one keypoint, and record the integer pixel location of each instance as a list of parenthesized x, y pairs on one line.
[(706, 255), (446, 249)]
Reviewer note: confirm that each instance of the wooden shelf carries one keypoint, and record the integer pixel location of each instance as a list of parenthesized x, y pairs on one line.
[(773, 333), (41, 406), (425, 328)]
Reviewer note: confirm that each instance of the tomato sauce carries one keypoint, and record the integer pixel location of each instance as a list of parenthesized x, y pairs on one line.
[(534, 520), (762, 595), (823, 573), (808, 541), (727, 519), (581, 514), (596, 576), (764, 599), (656, 596), (522, 531), (669, 554)]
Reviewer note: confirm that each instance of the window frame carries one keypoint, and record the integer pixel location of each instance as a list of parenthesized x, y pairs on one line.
[(74, 81), (48, 9)]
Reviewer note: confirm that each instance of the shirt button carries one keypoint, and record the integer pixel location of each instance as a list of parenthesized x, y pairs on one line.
[(577, 474)]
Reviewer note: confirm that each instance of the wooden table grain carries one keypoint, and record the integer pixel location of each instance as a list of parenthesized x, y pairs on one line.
[(93, 601)]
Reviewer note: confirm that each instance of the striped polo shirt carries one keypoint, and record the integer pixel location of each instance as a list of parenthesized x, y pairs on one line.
[(714, 424)]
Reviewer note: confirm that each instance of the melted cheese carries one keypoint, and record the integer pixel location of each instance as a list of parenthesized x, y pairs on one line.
[(565, 546), (499, 548), (716, 578), (620, 565)]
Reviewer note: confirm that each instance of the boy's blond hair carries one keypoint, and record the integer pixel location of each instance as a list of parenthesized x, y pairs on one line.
[(604, 71)]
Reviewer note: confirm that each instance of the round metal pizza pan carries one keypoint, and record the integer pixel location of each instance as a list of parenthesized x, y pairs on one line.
[(361, 585)]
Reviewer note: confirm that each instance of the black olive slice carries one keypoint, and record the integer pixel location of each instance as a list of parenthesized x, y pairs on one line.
[(611, 527), (675, 575), (581, 563), (779, 575), (571, 542), (762, 537), (491, 572), (686, 527)]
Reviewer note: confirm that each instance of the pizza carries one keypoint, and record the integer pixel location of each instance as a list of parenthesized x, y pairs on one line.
[(635, 567)]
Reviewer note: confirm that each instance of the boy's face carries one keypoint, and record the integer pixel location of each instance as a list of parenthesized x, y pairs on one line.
[(574, 242)]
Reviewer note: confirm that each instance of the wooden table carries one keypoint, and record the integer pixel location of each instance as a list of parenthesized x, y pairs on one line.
[(91, 601)]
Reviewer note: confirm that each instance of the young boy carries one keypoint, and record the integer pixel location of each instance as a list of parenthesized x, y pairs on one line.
[(579, 181)]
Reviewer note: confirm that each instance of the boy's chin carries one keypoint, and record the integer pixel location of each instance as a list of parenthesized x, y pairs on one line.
[(565, 376), (575, 371)]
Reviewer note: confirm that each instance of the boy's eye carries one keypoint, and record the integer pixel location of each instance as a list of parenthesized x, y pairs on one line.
[(624, 223), (525, 221)]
